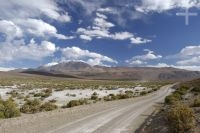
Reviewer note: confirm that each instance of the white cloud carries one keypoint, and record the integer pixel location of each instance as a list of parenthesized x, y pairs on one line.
[(18, 50), (89, 6), (10, 29), (188, 58), (189, 55), (139, 40), (6, 69), (136, 62), (39, 28), (160, 5), (51, 64), (143, 59), (20, 18), (122, 36), (160, 65), (149, 56), (85, 37), (102, 23), (32, 8), (188, 67), (190, 51), (101, 15), (101, 29), (75, 53), (105, 10), (190, 61)]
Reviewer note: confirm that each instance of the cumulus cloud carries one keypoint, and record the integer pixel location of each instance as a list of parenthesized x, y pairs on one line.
[(39, 28), (92, 58), (187, 67), (101, 29), (189, 55), (6, 69), (143, 59), (160, 6), (21, 20), (122, 35), (18, 50), (139, 40), (32, 8), (85, 37), (21, 17), (10, 29)]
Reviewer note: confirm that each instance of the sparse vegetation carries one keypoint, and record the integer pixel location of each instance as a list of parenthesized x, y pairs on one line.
[(94, 96), (41, 88), (143, 93), (176, 96), (73, 103), (35, 106), (31, 106), (180, 119), (196, 103), (8, 109), (48, 106)]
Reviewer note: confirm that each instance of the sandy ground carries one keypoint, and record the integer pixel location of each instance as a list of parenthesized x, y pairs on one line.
[(121, 116), (64, 96)]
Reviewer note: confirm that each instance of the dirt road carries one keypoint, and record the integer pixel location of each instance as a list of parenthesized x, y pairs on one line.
[(123, 116)]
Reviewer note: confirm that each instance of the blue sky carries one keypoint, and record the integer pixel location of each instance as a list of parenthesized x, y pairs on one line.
[(141, 33)]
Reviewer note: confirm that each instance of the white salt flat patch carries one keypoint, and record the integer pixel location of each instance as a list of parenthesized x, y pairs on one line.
[(62, 98)]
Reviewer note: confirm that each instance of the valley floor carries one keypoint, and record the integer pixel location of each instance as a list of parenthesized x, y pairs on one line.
[(121, 116)]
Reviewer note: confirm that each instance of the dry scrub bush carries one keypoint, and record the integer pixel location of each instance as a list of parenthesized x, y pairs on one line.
[(180, 119), (8, 109)]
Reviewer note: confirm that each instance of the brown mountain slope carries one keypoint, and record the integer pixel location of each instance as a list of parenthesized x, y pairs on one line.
[(86, 71)]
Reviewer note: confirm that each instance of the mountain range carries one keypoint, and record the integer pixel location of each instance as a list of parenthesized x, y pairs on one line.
[(83, 70)]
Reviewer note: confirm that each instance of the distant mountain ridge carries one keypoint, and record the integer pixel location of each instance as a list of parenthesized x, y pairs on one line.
[(86, 71)]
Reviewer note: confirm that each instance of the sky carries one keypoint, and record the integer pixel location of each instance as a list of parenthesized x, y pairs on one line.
[(134, 33)]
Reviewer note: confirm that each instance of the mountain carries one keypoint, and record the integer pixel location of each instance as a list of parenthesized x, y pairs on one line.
[(83, 70)]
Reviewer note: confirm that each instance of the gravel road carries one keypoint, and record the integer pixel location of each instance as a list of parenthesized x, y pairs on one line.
[(123, 116)]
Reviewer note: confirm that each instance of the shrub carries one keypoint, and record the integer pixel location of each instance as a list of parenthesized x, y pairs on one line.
[(155, 89), (94, 96), (195, 89), (83, 101), (31, 106), (171, 99), (38, 94), (48, 91), (182, 90), (107, 98), (180, 119), (48, 106), (73, 103), (122, 96), (13, 93), (42, 95), (129, 92), (196, 103), (8, 109), (52, 101), (113, 97), (95, 93), (143, 93)]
